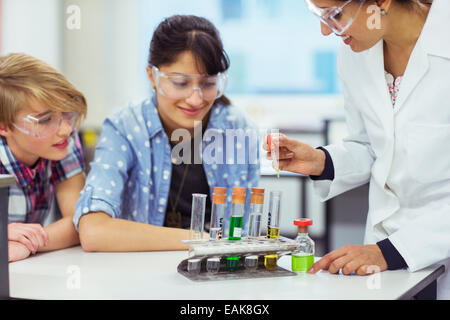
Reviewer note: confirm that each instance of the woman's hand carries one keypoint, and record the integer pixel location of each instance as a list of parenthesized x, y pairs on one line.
[(17, 251), (362, 260), (295, 156), (31, 235)]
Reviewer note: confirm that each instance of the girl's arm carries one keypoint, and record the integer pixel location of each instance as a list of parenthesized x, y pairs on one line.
[(62, 233), (99, 232)]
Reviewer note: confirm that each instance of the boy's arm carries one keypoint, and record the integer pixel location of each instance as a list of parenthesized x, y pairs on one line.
[(62, 233), (100, 232), (17, 251)]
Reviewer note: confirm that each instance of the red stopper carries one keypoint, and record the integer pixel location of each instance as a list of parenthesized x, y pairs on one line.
[(303, 222)]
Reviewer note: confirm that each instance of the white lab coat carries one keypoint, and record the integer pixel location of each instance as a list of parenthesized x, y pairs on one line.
[(404, 152)]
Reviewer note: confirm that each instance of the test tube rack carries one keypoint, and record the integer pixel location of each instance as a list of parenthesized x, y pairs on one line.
[(204, 249)]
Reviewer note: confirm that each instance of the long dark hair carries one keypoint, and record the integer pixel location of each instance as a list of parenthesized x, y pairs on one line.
[(198, 35)]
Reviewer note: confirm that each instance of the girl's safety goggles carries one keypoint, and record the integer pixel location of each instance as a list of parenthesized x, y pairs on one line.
[(337, 18), (182, 86), (47, 124)]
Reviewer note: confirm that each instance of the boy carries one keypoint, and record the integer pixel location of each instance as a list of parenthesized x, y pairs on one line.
[(39, 110)]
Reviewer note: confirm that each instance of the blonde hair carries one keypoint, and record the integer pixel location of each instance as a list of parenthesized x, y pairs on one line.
[(23, 78)]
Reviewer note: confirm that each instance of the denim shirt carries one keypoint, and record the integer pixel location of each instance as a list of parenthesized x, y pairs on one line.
[(130, 175)]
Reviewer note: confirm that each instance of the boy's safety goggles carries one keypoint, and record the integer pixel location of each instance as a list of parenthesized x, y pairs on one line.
[(182, 86), (45, 125), (337, 18)]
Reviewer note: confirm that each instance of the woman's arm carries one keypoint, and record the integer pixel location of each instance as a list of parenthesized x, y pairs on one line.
[(62, 233), (99, 232)]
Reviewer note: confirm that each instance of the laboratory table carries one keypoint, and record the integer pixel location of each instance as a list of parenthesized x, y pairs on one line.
[(75, 274)]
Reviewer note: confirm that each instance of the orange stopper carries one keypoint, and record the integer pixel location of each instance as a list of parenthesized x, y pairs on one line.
[(219, 195), (239, 195), (257, 196)]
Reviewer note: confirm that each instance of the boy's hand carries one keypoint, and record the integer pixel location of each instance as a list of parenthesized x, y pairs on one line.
[(31, 235), (17, 251)]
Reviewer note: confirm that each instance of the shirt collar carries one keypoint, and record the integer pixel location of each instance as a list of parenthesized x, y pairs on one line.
[(435, 29), (24, 174), (150, 112)]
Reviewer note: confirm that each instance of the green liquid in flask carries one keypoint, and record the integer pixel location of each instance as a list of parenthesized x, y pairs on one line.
[(302, 263)]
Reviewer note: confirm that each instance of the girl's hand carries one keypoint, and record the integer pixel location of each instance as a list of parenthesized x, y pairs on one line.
[(295, 156), (31, 235)]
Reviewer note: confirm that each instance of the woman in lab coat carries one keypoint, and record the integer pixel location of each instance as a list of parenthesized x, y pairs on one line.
[(394, 67)]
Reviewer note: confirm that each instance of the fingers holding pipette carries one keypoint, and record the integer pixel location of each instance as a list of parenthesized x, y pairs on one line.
[(292, 155), (283, 154)]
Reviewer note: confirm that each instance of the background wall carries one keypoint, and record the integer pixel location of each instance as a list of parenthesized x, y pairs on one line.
[(283, 73), (33, 27)]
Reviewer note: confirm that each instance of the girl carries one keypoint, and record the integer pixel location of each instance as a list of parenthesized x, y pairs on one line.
[(149, 161)]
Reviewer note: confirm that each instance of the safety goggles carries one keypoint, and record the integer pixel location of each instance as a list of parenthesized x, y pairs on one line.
[(45, 125), (182, 86), (337, 18)]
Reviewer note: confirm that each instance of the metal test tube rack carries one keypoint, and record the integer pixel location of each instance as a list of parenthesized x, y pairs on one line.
[(261, 246)]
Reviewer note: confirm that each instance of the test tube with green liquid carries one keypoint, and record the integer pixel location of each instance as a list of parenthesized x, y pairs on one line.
[(237, 214), (235, 230)]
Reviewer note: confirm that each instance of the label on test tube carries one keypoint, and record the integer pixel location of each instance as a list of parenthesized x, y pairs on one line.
[(237, 232)]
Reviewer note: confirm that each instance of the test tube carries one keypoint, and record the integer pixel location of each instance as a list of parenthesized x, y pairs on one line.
[(217, 213), (237, 213), (273, 227), (235, 231), (197, 216), (194, 266), (251, 263), (232, 263), (256, 210), (213, 265), (273, 219)]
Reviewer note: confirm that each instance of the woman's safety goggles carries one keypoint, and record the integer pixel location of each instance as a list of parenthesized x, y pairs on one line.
[(182, 86), (337, 18), (47, 124)]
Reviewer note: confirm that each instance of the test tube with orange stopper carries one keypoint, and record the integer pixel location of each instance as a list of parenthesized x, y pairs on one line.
[(256, 211), (217, 213)]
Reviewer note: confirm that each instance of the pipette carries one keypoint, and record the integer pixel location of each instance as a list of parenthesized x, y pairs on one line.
[(275, 154)]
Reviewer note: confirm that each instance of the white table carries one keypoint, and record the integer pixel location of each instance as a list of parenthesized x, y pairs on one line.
[(74, 274)]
